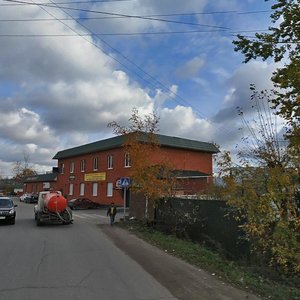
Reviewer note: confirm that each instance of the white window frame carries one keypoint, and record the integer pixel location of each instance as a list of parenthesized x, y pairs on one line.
[(71, 189), (72, 167), (95, 189), (95, 163), (81, 191), (82, 165), (110, 189), (127, 162), (110, 162)]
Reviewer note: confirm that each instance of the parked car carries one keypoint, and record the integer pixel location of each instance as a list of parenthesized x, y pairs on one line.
[(22, 198), (82, 203), (7, 210), (33, 198)]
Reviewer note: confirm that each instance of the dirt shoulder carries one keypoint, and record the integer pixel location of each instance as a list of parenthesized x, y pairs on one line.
[(183, 280)]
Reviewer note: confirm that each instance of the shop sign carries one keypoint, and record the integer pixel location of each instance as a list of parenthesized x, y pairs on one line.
[(95, 176), (46, 185)]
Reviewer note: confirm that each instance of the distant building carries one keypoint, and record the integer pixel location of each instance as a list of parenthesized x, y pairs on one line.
[(37, 183), (94, 170), (10, 186)]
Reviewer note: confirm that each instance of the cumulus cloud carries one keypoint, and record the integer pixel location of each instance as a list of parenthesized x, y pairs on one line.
[(24, 125), (60, 92), (191, 68), (154, 9), (48, 59), (187, 124), (239, 96), (239, 93)]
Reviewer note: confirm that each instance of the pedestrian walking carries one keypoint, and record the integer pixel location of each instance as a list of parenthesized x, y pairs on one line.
[(111, 212)]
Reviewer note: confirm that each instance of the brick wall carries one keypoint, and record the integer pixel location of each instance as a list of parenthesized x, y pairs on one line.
[(180, 159)]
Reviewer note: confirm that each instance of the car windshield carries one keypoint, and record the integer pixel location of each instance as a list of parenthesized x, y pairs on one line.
[(5, 202)]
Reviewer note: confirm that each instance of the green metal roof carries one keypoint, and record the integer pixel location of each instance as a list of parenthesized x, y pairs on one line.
[(41, 178), (118, 141), (189, 174)]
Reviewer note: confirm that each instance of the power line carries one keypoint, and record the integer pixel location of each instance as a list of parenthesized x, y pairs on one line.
[(53, 5), (81, 18), (157, 15), (76, 2), (111, 34), (128, 34), (122, 34), (153, 79), (130, 61)]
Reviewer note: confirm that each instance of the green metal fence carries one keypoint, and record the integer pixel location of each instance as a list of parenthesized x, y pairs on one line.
[(210, 222)]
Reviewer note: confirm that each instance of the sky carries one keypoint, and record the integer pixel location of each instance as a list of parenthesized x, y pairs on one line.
[(68, 68)]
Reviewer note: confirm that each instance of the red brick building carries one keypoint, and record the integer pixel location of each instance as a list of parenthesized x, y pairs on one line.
[(37, 183), (94, 170)]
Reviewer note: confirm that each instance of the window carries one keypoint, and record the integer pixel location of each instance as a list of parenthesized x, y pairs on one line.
[(82, 165), (81, 193), (109, 161), (72, 167), (109, 189), (95, 163), (71, 188), (95, 189), (62, 168), (127, 160)]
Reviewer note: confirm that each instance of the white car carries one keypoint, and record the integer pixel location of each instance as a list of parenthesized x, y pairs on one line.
[(22, 198)]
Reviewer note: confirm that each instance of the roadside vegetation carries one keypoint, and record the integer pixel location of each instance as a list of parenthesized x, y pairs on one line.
[(262, 282), (261, 179), (273, 214)]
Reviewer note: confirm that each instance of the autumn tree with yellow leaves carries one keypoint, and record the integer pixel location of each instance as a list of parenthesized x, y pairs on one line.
[(23, 168), (268, 200), (154, 180), (262, 186)]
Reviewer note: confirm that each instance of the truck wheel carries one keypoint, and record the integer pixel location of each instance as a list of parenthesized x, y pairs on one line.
[(67, 223), (38, 222)]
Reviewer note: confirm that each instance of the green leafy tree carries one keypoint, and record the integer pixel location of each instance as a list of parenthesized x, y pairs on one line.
[(281, 43), (262, 188)]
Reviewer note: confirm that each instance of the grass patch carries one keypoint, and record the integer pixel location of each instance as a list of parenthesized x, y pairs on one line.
[(241, 276)]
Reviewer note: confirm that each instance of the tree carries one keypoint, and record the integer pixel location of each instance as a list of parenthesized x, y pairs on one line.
[(22, 168), (154, 180), (263, 143), (262, 188), (281, 43)]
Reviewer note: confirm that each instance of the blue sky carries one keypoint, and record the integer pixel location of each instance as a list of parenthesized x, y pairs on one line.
[(61, 90)]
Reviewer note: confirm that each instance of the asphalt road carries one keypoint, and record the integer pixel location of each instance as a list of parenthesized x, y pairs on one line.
[(92, 260)]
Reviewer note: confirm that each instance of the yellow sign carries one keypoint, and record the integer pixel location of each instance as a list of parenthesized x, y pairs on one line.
[(95, 176)]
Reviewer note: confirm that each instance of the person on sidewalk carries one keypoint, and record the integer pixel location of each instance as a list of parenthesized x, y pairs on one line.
[(111, 212)]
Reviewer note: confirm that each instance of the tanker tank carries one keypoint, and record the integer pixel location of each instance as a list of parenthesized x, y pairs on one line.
[(52, 208)]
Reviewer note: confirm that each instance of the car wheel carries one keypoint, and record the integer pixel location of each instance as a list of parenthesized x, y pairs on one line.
[(12, 221)]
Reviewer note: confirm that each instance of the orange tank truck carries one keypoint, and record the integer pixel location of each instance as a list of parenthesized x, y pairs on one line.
[(52, 208)]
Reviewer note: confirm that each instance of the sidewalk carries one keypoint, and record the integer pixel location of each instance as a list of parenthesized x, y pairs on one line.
[(183, 280)]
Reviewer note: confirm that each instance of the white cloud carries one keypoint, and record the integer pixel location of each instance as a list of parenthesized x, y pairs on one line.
[(181, 121), (239, 93), (156, 9), (58, 92), (191, 68), (24, 125), (160, 97)]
